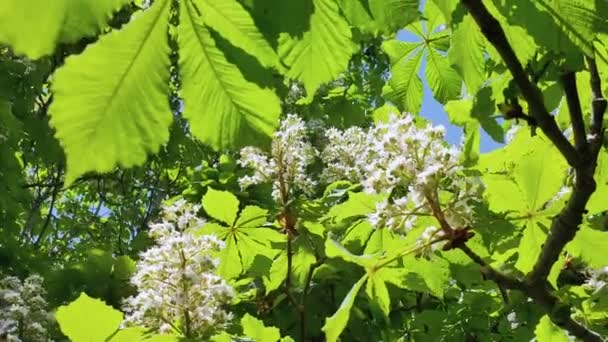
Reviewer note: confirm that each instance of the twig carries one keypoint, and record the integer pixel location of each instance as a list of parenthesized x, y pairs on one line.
[(47, 221), (491, 29), (568, 81)]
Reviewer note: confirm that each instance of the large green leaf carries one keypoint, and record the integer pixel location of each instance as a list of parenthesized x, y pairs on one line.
[(103, 113), (224, 108), (335, 324), (232, 21), (466, 53), (546, 331), (323, 52), (35, 27), (88, 319)]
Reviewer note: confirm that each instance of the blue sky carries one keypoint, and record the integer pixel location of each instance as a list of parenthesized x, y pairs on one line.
[(433, 110)]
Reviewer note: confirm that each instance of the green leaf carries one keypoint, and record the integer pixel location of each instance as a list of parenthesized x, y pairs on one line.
[(88, 319), (406, 88), (50, 23), (230, 261), (533, 238), (247, 243), (221, 205), (100, 104), (319, 55), (597, 202), (255, 328), (546, 331), (224, 109), (378, 293), (435, 275), (301, 261), (128, 335), (358, 204), (252, 216), (466, 53), (590, 246), (335, 324), (333, 249), (357, 13), (442, 78), (234, 23), (391, 15)]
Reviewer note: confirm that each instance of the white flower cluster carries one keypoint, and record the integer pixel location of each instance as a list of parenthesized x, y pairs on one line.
[(178, 288), (598, 279), (345, 154), (411, 163), (285, 168), (23, 310)]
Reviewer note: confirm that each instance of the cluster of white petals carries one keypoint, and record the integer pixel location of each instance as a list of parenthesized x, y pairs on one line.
[(23, 310), (598, 279), (345, 154), (178, 288), (408, 161), (286, 166)]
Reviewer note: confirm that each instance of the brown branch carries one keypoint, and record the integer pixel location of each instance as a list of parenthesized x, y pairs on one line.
[(491, 29), (541, 293), (565, 225), (568, 81), (598, 107)]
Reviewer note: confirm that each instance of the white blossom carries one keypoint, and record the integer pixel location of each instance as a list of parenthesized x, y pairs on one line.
[(177, 284), (598, 279), (23, 309), (411, 163), (346, 154), (286, 166)]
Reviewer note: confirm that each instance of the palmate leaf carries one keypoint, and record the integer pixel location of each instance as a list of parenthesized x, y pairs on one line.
[(525, 188), (321, 53), (111, 102), (245, 238), (224, 109), (35, 27)]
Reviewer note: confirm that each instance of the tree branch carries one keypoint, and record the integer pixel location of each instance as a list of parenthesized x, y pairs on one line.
[(568, 81), (598, 107), (541, 293), (491, 29)]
